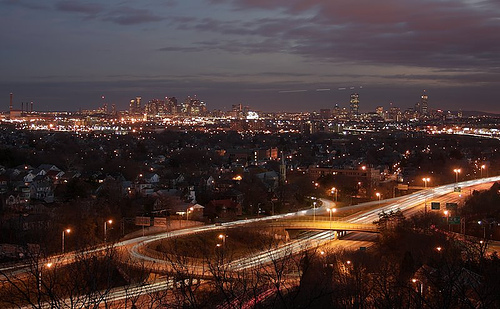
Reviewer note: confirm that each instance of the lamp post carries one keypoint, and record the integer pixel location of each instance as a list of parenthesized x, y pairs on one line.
[(379, 196), (482, 168), (334, 190), (63, 232), (457, 171), (223, 238), (314, 211), (425, 180), (447, 214), (331, 211), (106, 228), (484, 228), (190, 209), (420, 287), (48, 265)]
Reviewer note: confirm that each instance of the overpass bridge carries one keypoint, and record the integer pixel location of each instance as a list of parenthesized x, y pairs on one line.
[(306, 223)]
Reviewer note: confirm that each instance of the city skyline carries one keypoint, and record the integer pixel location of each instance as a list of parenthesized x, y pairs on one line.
[(278, 56)]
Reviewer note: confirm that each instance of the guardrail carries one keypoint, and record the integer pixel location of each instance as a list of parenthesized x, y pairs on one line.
[(325, 225)]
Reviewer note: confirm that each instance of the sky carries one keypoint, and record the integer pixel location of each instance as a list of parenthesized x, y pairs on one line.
[(273, 55)]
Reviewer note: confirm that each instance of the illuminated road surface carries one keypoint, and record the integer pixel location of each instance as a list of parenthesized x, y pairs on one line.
[(404, 203), (407, 203)]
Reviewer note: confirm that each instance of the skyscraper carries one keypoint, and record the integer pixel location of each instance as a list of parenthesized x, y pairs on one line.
[(423, 105), (135, 106), (354, 105)]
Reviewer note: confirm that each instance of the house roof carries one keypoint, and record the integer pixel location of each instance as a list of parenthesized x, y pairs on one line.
[(47, 167)]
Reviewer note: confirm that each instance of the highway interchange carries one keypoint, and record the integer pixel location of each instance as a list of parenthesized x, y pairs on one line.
[(365, 213)]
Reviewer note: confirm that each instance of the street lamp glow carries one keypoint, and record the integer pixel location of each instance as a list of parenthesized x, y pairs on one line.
[(331, 211), (334, 190), (425, 180), (106, 228), (482, 168), (457, 171), (190, 209), (223, 238), (62, 242), (439, 249)]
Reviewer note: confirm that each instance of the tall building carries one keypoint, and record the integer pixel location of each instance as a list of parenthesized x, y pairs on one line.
[(354, 105), (135, 106), (336, 111), (424, 109), (194, 107), (138, 106)]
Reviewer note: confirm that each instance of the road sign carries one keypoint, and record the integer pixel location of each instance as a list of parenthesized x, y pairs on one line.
[(451, 206), (402, 187), (144, 221), (454, 220), (435, 205), (157, 221)]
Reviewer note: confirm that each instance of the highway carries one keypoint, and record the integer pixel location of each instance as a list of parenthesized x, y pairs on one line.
[(409, 204), (404, 203)]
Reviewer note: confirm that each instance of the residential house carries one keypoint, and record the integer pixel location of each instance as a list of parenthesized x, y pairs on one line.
[(41, 189)]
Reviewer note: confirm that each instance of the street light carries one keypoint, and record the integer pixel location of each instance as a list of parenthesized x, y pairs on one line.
[(379, 196), (314, 211), (188, 211), (223, 238), (457, 171), (425, 180), (48, 265), (420, 288), (447, 214), (331, 211), (484, 228), (106, 227), (482, 168), (63, 232), (334, 190)]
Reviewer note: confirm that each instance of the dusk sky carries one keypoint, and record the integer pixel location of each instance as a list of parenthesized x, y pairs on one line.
[(269, 54)]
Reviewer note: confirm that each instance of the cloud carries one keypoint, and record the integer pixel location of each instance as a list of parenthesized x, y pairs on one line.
[(79, 7), (25, 4), (131, 16), (428, 33), (122, 15)]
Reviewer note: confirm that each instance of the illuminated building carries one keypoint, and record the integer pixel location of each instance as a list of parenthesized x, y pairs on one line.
[(354, 105), (423, 104)]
